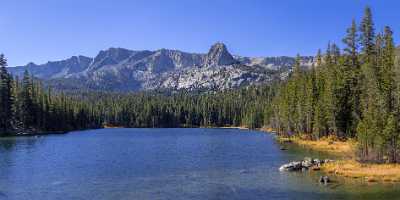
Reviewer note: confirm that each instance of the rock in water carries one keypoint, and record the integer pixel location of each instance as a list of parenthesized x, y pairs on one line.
[(304, 165), (317, 161), (324, 179), (292, 166), (307, 162)]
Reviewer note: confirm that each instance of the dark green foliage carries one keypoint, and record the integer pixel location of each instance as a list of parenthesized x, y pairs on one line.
[(25, 106), (367, 36), (244, 107), (349, 95), (6, 100)]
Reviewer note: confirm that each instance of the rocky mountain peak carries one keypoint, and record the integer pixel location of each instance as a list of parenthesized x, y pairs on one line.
[(116, 54), (111, 56), (31, 64), (118, 69), (219, 55)]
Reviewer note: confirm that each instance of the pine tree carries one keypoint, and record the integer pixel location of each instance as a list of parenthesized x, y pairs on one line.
[(352, 70), (371, 104), (6, 100), (27, 106), (391, 137), (367, 36), (351, 49), (328, 94), (319, 128), (311, 99), (391, 131), (388, 71)]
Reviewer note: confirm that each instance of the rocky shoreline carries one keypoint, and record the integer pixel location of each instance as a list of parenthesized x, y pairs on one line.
[(29, 134), (305, 164)]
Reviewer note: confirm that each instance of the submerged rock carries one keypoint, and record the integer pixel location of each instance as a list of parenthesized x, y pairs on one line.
[(324, 179), (317, 161), (292, 166)]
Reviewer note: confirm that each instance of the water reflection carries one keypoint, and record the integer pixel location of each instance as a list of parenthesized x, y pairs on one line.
[(14, 143), (7, 144)]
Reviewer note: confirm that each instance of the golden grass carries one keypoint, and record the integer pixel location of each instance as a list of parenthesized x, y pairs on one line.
[(348, 167), (369, 172), (111, 126), (327, 144), (235, 127), (267, 129)]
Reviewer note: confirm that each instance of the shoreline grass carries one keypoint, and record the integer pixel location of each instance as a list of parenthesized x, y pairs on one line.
[(329, 145), (368, 172), (347, 166)]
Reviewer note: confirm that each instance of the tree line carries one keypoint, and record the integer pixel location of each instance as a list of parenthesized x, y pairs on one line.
[(349, 93), (242, 107), (28, 107)]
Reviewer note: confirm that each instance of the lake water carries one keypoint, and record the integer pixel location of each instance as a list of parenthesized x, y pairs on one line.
[(164, 164)]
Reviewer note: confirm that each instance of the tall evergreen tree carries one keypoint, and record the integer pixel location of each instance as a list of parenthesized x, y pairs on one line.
[(391, 133), (27, 104), (388, 69), (320, 126), (367, 36), (352, 68), (351, 49), (6, 100)]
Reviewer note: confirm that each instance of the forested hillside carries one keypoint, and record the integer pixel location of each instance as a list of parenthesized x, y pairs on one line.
[(349, 93), (28, 107), (245, 107)]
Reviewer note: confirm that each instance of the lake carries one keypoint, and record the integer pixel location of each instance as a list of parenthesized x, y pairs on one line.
[(165, 164)]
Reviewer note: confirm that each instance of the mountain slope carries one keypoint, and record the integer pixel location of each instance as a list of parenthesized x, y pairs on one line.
[(118, 69)]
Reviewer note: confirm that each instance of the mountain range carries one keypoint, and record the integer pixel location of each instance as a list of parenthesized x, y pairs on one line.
[(119, 69)]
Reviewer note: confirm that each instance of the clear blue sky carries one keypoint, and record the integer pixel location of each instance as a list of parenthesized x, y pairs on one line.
[(42, 30)]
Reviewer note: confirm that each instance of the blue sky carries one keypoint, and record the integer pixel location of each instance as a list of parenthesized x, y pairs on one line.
[(44, 30)]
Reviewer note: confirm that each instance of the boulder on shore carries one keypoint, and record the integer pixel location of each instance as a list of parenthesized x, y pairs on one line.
[(292, 166), (304, 164)]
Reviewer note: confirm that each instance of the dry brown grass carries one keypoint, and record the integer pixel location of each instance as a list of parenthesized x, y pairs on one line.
[(327, 144), (111, 126), (267, 129), (369, 172), (235, 127), (348, 167)]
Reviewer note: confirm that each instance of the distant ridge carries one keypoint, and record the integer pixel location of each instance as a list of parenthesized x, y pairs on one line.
[(119, 69)]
